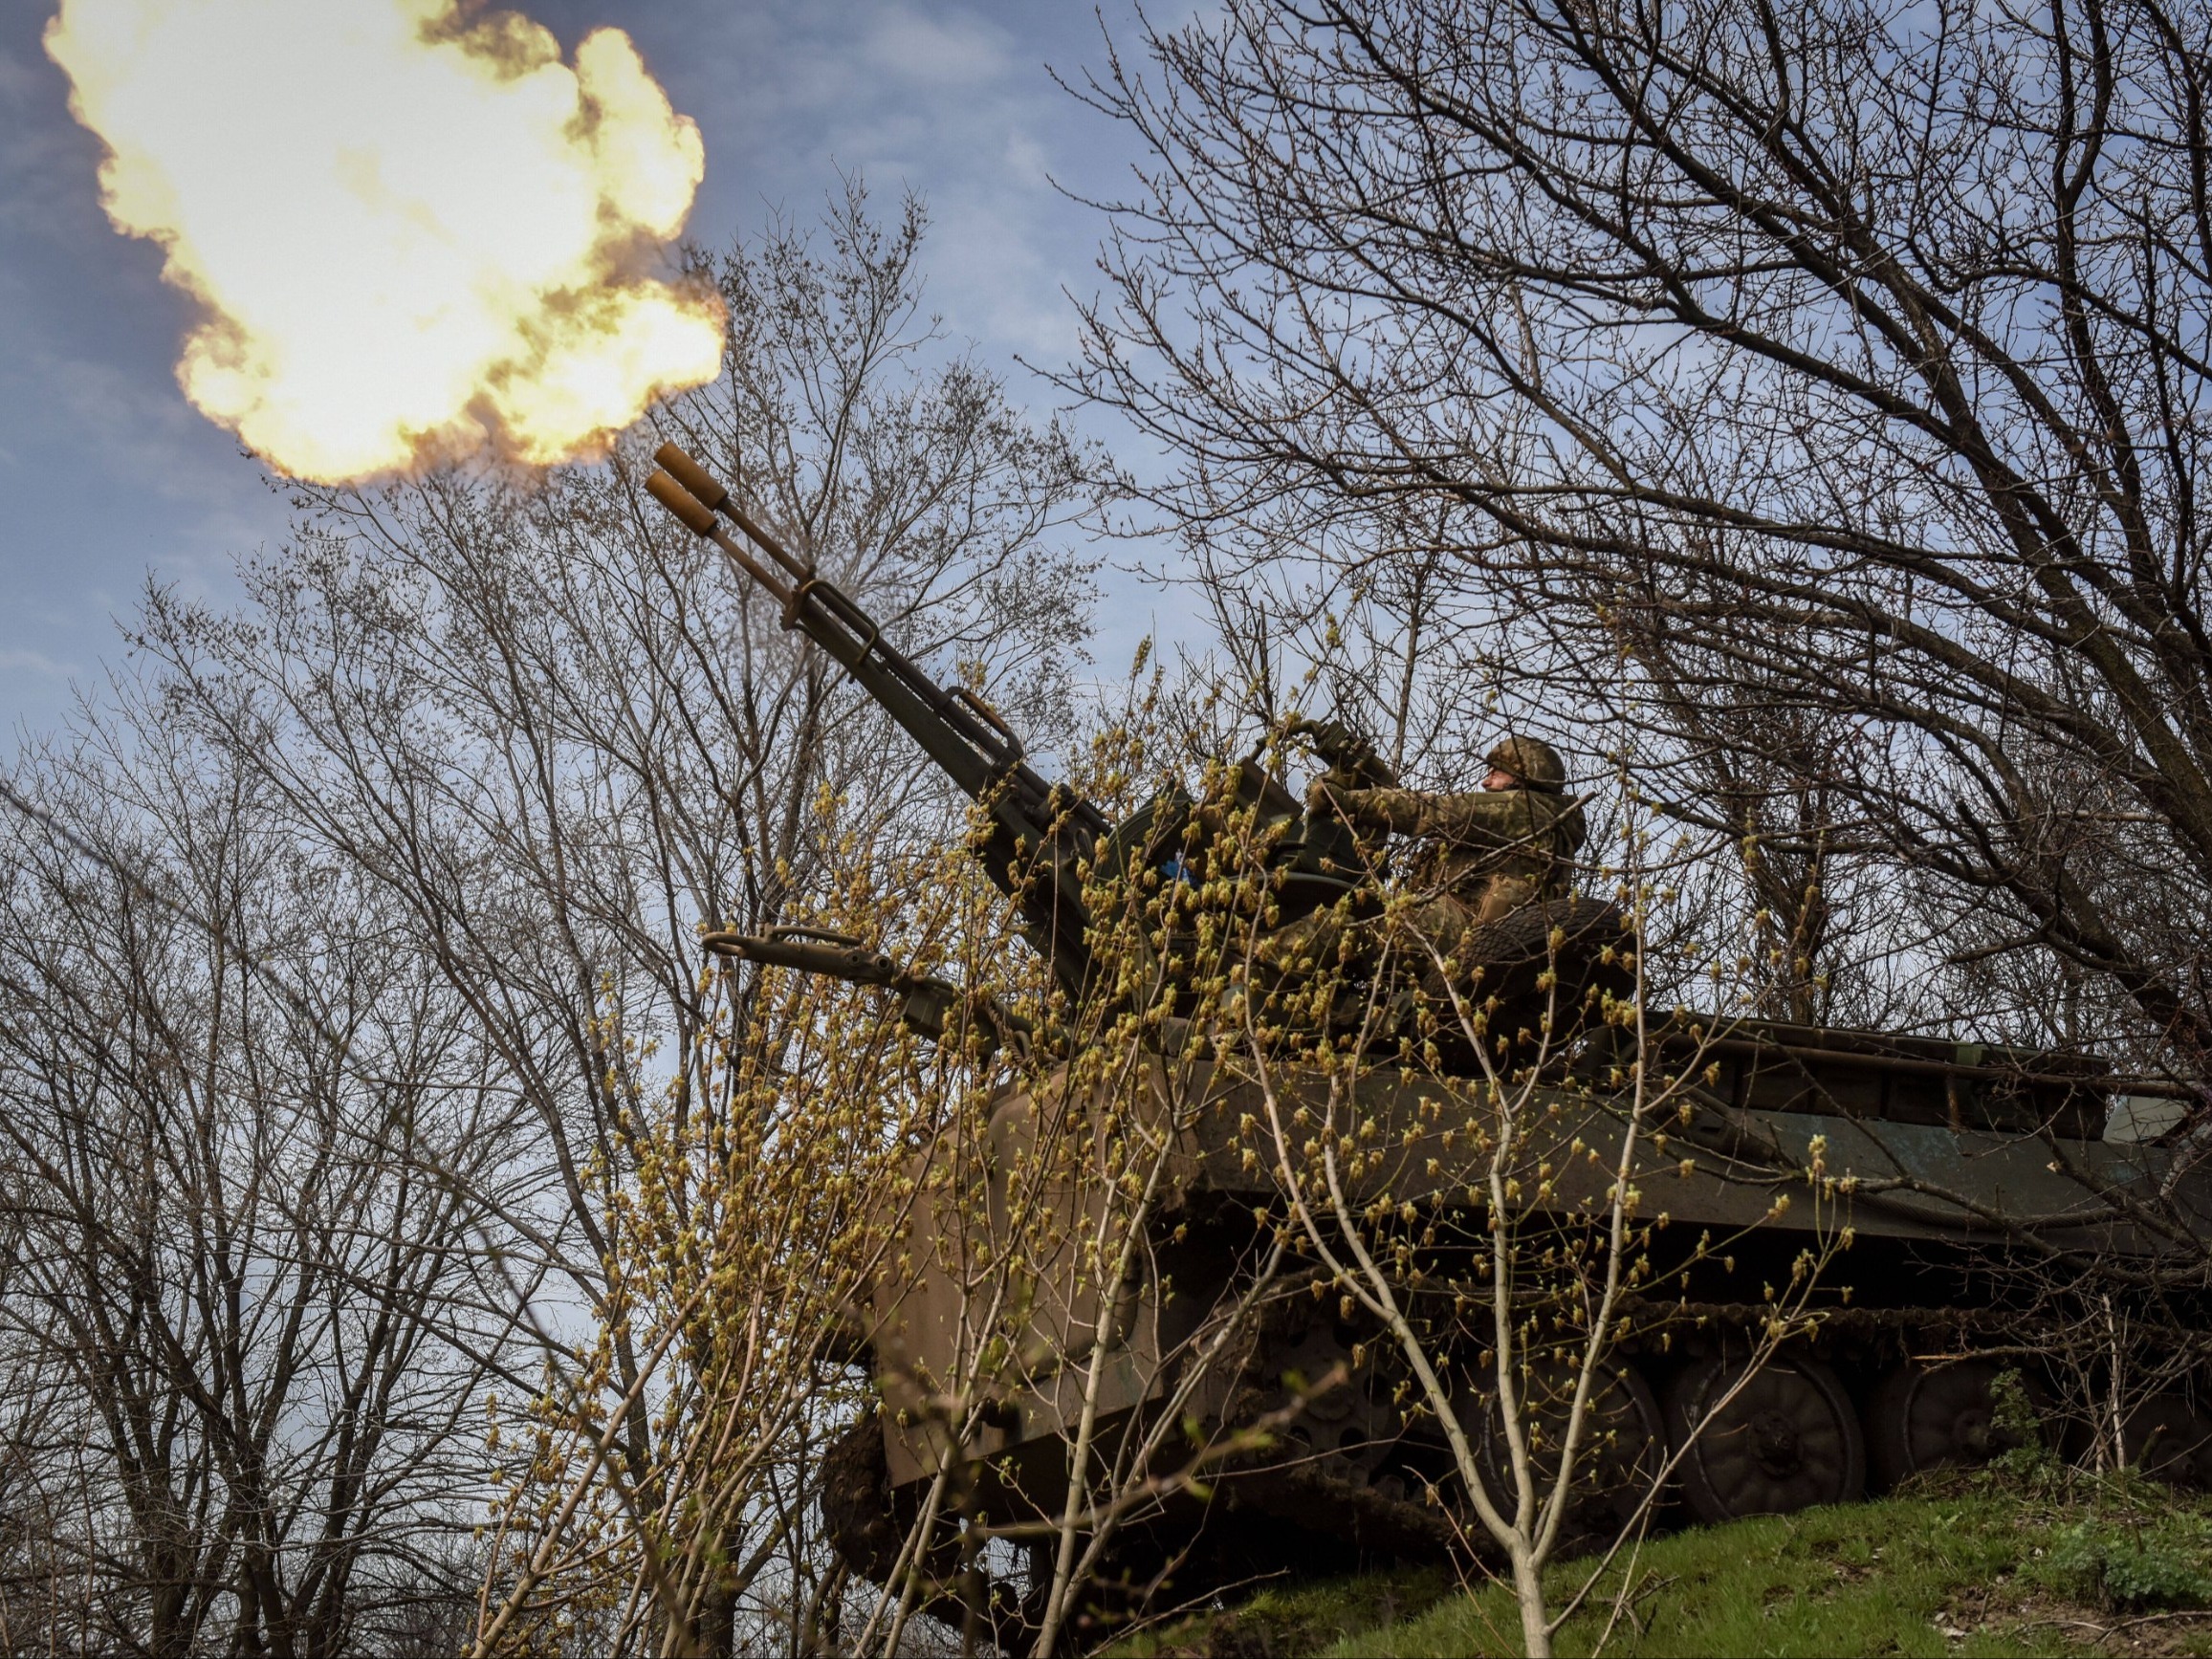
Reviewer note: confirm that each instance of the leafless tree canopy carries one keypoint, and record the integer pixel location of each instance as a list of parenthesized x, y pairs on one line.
[(329, 1046), (252, 1154), (1839, 369)]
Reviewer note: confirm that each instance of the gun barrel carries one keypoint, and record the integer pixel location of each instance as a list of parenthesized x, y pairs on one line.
[(1033, 823)]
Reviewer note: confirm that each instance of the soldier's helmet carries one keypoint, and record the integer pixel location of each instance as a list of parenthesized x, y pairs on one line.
[(1532, 760)]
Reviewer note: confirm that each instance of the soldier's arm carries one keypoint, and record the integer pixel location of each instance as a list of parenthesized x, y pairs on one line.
[(1482, 819), (1373, 809)]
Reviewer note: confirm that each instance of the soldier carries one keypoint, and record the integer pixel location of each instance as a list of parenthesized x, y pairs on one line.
[(1491, 852), (1483, 855)]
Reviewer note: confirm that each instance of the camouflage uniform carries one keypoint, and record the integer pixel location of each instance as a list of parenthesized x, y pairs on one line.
[(1486, 854), (1490, 852)]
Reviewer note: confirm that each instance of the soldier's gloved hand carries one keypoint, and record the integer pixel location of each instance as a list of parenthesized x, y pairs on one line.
[(1338, 744), (1352, 760)]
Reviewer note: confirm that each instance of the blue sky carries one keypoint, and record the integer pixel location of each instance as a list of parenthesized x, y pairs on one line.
[(108, 474)]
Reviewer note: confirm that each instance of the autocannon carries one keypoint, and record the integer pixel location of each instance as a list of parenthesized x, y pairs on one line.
[(1954, 1161)]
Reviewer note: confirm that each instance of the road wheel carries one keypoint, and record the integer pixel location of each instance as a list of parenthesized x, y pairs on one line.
[(1924, 1417), (1788, 1440), (1622, 1448), (859, 1515), (2170, 1440), (1351, 1428)]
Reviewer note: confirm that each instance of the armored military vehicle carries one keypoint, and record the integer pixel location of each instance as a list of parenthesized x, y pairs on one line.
[(1951, 1194)]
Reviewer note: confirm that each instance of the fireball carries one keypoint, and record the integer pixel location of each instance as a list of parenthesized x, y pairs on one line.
[(414, 231)]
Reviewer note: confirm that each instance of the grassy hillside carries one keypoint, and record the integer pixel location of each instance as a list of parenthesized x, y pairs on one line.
[(1978, 1569)]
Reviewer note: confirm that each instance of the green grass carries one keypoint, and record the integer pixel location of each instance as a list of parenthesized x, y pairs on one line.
[(1977, 1570), (1284, 1621)]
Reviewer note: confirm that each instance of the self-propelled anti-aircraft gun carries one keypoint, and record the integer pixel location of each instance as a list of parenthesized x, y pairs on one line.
[(1957, 1152), (1038, 839)]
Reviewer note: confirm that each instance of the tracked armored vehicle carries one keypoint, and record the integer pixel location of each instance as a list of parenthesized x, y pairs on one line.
[(1946, 1195)]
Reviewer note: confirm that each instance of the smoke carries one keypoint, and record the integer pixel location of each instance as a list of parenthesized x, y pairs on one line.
[(415, 233)]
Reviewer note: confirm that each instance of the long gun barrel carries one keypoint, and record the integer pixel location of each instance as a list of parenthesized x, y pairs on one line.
[(929, 1005), (1038, 831)]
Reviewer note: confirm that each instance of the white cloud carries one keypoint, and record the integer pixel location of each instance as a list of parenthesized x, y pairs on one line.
[(938, 49), (1026, 160), (14, 660)]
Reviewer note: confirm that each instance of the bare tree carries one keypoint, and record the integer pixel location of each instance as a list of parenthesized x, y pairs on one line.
[(1850, 353), (248, 1142), (1810, 402), (554, 741)]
